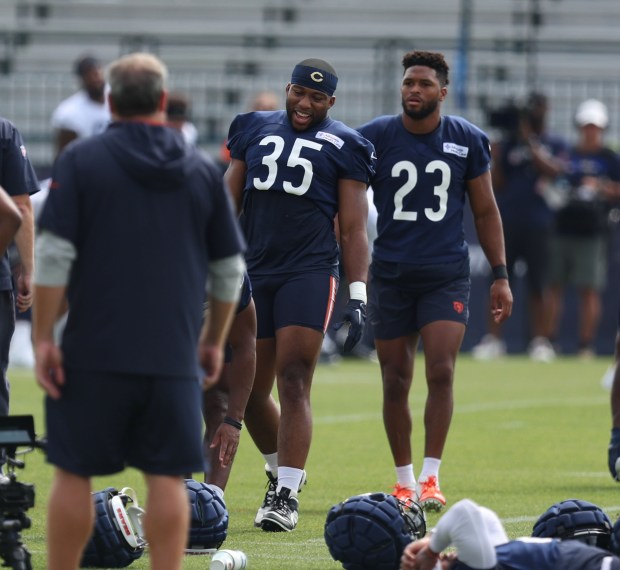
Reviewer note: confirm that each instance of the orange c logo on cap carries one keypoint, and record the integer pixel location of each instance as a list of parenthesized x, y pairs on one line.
[(316, 76)]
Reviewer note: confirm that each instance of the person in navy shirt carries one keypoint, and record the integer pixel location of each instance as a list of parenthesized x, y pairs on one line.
[(579, 248), (480, 543), (18, 179), (10, 220), (134, 224), (291, 173), (526, 161), (427, 165)]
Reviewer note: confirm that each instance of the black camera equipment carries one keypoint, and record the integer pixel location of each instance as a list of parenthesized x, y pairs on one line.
[(506, 117), (15, 497)]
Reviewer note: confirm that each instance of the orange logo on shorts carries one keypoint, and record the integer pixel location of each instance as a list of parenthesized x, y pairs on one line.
[(458, 306)]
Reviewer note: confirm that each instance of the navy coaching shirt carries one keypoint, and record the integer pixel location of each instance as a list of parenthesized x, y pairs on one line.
[(146, 213), (17, 177), (420, 187), (291, 188)]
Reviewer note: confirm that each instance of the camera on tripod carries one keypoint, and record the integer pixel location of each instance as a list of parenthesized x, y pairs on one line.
[(15, 497), (513, 114), (507, 117)]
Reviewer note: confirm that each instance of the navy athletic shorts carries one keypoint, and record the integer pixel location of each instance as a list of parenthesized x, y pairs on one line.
[(404, 298), (107, 421), (305, 300)]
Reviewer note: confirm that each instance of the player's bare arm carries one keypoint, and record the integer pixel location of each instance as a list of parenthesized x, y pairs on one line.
[(10, 220), (352, 220), (63, 138), (491, 236), (242, 333), (49, 370), (24, 240), (353, 238), (234, 178)]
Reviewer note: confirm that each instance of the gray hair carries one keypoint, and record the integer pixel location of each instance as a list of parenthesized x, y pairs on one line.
[(137, 82)]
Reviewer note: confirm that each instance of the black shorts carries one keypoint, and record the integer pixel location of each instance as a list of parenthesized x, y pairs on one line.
[(105, 422), (305, 300), (404, 298)]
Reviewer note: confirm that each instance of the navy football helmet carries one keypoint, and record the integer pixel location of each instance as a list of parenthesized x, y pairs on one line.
[(118, 537), (209, 518), (575, 519), (370, 531)]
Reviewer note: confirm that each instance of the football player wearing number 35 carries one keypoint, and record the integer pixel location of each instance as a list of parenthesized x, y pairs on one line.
[(292, 173), (427, 164)]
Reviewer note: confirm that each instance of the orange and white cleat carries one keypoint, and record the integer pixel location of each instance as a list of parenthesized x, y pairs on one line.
[(404, 494), (430, 497)]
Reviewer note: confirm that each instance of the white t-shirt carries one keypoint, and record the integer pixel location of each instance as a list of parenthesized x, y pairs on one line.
[(80, 114)]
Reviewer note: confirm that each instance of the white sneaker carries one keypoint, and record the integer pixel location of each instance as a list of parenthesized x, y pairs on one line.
[(21, 354), (607, 381), (541, 350), (489, 348), (270, 495)]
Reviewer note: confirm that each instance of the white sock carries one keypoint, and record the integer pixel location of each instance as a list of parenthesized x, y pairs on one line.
[(289, 477), (405, 476), (430, 467), (272, 462), (218, 490)]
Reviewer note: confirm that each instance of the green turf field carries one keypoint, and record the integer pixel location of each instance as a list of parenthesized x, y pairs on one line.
[(524, 435)]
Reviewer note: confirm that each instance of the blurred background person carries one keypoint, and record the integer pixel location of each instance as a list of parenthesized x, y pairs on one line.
[(86, 112), (261, 101), (179, 114), (265, 101), (18, 179), (525, 158), (579, 246), (83, 114)]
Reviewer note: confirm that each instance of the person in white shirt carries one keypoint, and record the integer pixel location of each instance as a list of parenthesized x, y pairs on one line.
[(86, 112)]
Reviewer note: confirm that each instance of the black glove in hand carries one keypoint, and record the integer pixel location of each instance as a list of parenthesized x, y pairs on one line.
[(354, 314)]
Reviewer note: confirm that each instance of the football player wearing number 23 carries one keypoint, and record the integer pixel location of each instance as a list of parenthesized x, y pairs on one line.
[(292, 172), (427, 164)]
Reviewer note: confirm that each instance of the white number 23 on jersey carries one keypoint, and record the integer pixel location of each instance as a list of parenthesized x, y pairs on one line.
[(441, 190)]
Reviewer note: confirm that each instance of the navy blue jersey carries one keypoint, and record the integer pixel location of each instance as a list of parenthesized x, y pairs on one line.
[(146, 213), (586, 212), (520, 198), (16, 177), (291, 188), (550, 554), (420, 187)]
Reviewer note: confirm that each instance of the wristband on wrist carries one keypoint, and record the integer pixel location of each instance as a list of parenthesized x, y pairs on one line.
[(500, 272), (357, 291), (232, 422)]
